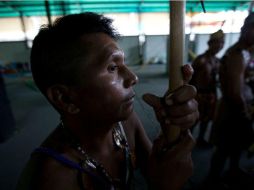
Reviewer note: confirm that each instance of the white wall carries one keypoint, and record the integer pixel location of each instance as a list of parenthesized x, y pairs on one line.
[(155, 46), (129, 44)]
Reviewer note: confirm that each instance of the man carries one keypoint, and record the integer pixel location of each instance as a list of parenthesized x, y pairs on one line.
[(232, 131), (78, 66), (205, 80)]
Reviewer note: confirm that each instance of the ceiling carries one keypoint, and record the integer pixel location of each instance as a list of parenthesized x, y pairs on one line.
[(62, 7)]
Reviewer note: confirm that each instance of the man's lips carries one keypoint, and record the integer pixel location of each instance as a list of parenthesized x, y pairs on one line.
[(130, 98)]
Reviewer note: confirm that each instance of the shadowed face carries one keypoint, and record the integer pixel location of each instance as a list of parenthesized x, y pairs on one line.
[(250, 34), (216, 45), (105, 89)]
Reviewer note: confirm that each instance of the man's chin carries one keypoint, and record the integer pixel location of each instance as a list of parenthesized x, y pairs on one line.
[(126, 114)]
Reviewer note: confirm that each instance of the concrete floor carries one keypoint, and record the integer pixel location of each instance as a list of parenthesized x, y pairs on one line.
[(36, 119)]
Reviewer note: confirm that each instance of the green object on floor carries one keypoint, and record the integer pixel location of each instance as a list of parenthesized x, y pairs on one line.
[(30, 84)]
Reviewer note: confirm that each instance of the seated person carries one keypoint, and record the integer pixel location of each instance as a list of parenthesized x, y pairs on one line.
[(78, 66)]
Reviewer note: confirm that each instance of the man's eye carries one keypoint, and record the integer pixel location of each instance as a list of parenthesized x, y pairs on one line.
[(112, 68)]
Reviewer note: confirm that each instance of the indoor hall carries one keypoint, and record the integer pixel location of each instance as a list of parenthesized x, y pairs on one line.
[(146, 54)]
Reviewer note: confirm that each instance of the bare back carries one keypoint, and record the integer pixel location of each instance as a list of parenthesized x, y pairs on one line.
[(234, 67)]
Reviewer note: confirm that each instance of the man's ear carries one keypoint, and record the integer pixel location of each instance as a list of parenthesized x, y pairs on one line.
[(60, 97)]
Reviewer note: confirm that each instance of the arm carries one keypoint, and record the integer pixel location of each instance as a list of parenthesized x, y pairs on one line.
[(202, 73)]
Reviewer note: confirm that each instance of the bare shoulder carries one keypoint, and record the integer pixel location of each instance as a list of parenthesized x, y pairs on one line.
[(199, 61), (234, 53), (235, 60), (201, 66), (45, 173)]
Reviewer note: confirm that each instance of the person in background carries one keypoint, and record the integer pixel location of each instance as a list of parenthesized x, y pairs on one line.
[(232, 131), (250, 73), (78, 66), (205, 79)]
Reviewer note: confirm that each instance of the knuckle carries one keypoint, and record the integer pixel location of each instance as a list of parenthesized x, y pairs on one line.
[(195, 103), (192, 105), (192, 89)]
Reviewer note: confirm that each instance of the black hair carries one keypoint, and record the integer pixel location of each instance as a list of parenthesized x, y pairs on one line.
[(56, 49), (248, 22)]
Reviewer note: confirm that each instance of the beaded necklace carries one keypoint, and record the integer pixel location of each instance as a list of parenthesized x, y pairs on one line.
[(90, 164)]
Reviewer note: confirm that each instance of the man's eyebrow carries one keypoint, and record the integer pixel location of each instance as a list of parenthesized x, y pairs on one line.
[(117, 51), (112, 49), (110, 45)]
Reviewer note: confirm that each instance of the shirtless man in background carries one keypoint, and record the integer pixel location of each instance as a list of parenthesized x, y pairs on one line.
[(204, 79)]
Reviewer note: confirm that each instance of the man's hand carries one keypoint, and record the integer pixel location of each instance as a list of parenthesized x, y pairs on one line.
[(170, 165), (178, 108), (170, 169)]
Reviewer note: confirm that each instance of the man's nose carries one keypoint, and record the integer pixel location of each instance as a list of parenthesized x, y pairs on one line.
[(130, 78)]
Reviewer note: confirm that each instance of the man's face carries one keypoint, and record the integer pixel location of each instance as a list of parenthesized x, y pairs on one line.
[(216, 45), (106, 90), (250, 34)]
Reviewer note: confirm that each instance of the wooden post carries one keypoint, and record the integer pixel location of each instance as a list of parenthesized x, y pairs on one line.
[(177, 47)]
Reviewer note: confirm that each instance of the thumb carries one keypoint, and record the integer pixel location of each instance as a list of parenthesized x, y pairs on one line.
[(187, 72), (152, 100)]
